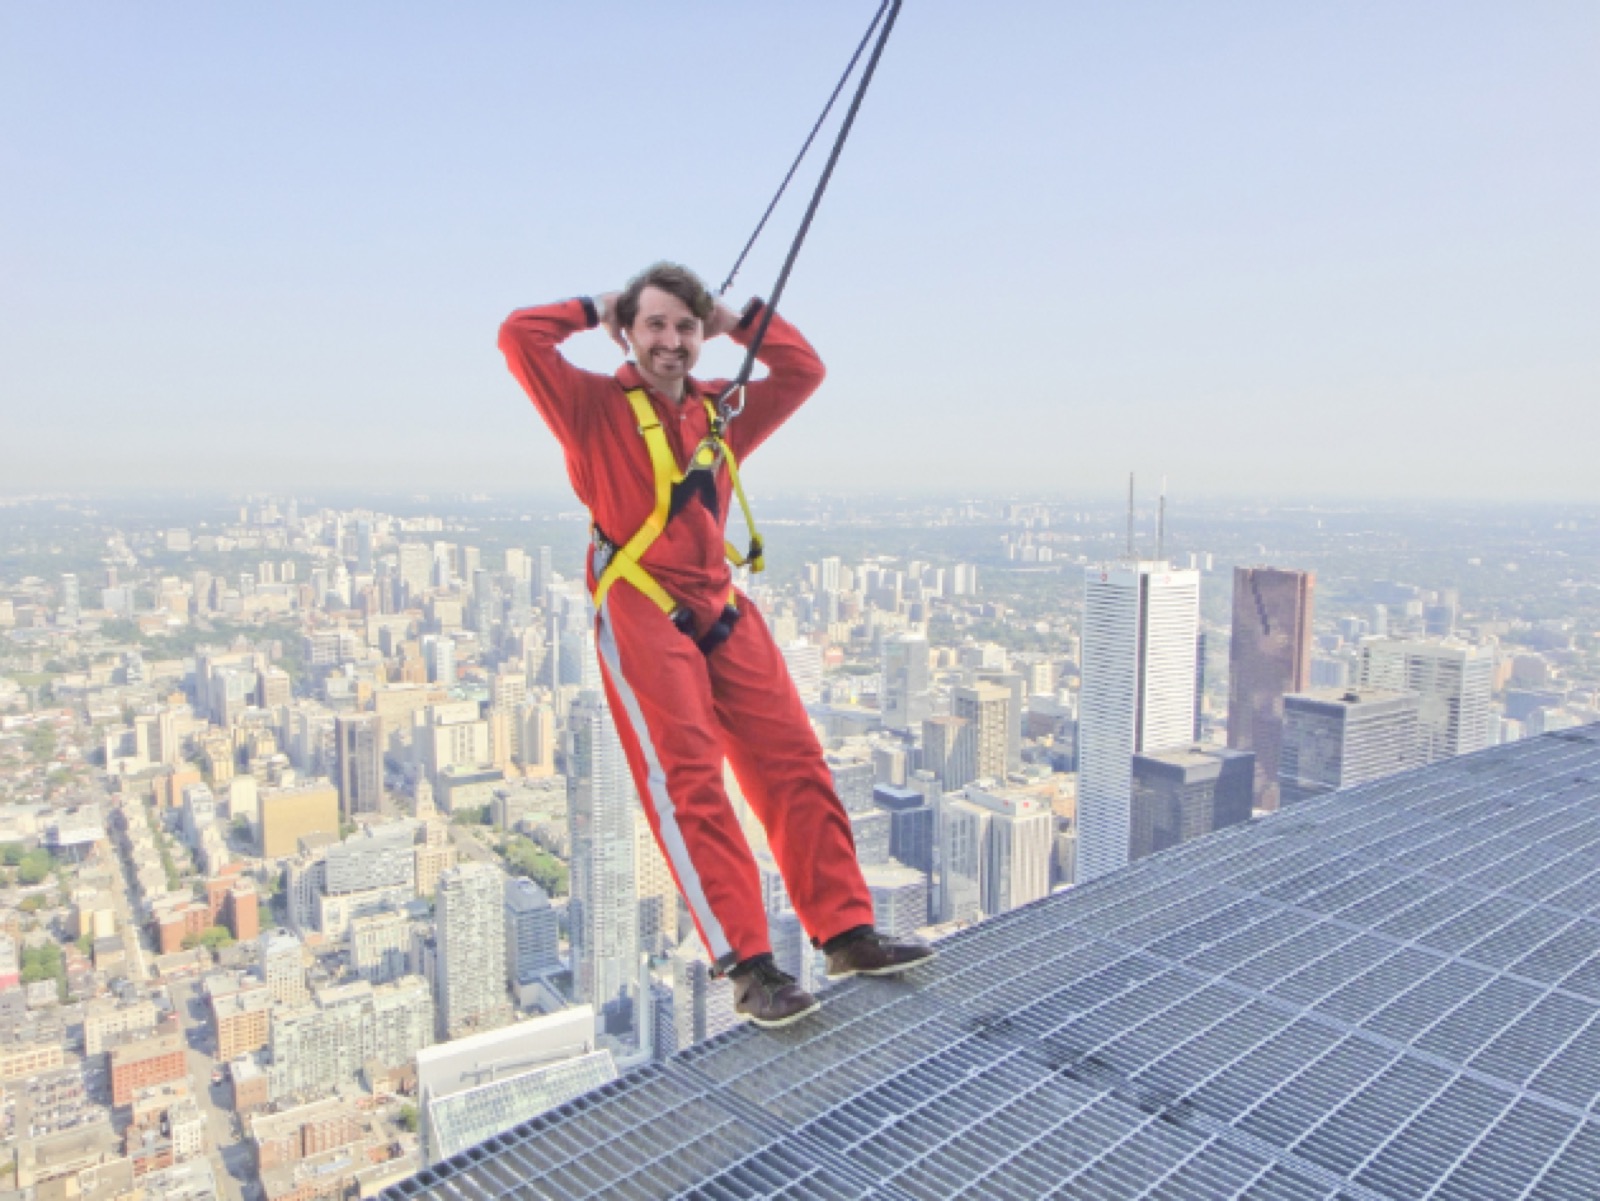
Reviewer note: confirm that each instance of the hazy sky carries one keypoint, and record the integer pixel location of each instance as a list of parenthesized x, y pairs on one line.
[(1297, 249)]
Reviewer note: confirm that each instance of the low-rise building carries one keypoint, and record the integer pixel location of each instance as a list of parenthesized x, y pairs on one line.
[(145, 1061), (241, 1021)]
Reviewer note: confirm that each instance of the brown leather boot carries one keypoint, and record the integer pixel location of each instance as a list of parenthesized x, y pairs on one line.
[(767, 996), (865, 952)]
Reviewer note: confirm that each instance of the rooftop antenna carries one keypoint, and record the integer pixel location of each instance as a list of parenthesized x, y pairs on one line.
[(1130, 514), (1161, 522)]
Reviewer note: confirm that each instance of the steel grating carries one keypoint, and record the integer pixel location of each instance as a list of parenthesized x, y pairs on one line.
[(1388, 992)]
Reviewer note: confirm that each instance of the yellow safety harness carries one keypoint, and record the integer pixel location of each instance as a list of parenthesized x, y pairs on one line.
[(625, 559)]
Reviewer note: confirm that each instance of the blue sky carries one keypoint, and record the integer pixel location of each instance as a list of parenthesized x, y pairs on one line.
[(1274, 249)]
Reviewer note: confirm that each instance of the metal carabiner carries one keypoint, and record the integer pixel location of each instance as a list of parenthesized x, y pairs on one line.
[(725, 410)]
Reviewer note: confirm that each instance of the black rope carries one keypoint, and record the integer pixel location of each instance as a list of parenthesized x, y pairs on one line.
[(810, 137), (811, 210)]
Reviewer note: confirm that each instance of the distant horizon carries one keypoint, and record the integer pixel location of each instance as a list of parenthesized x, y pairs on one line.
[(1145, 502)]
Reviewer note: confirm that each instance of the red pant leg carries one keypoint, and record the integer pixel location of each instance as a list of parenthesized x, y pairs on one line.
[(660, 693), (779, 764)]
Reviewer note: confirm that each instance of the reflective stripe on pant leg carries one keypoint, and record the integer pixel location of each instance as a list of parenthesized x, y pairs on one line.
[(660, 799)]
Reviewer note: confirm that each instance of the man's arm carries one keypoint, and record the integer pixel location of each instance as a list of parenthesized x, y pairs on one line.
[(794, 372), (529, 339)]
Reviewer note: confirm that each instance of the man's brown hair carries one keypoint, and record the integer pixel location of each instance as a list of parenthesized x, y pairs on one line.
[(671, 278)]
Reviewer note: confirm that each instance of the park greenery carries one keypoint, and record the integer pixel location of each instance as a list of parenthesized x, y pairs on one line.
[(525, 858), (45, 963), (214, 938), (32, 866)]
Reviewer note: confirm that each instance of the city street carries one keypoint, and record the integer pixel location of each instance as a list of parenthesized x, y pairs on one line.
[(230, 1158)]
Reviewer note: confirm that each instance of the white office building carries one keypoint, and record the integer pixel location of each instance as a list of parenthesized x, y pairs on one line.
[(1137, 694), (1453, 680)]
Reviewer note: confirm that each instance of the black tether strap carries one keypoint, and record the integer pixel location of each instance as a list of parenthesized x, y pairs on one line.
[(810, 137), (892, 7)]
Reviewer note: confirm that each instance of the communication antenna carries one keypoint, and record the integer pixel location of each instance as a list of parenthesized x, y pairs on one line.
[(1161, 522), (1130, 514)]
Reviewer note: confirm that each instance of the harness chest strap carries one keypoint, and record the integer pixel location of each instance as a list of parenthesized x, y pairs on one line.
[(625, 561)]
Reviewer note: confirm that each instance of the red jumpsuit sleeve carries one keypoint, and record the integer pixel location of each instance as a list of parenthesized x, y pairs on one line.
[(794, 372), (558, 390)]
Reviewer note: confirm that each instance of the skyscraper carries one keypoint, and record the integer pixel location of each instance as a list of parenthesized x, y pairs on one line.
[(1140, 619), (604, 910), (358, 752), (471, 925), (987, 707), (1334, 739), (1018, 843), (1016, 685), (950, 751), (1269, 657), (905, 699), (531, 934), (1187, 792), (1453, 681), (960, 828)]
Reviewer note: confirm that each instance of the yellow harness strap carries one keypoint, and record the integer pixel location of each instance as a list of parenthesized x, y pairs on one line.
[(625, 563)]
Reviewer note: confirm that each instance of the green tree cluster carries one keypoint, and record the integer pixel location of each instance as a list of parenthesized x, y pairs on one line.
[(43, 963), (213, 938), (526, 858), (471, 815), (34, 866)]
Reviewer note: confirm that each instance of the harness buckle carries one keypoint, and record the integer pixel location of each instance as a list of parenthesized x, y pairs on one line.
[(604, 551)]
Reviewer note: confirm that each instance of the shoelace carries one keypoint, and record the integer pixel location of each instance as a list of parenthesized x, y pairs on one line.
[(769, 975)]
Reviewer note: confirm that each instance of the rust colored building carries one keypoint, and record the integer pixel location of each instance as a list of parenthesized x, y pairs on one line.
[(242, 914), (175, 924), (1270, 657), (145, 1061), (283, 1139)]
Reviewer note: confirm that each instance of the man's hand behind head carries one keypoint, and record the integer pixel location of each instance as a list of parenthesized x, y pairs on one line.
[(723, 320), (606, 302)]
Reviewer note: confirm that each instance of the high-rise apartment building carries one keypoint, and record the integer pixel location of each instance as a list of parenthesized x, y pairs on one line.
[(323, 1046), (987, 707), (1268, 658), (1187, 792), (531, 931), (1336, 738), (804, 660), (603, 914), (375, 857), (282, 961), (905, 697), (358, 743), (439, 654), (950, 751), (1140, 620), (1453, 681), (380, 946), (470, 920)]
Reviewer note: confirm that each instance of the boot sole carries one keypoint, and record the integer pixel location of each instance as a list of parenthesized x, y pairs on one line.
[(778, 1023), (892, 970)]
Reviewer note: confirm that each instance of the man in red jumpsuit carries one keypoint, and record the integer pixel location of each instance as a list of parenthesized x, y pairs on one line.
[(683, 703)]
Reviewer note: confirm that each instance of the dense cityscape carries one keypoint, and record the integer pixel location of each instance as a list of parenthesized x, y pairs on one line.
[(322, 862)]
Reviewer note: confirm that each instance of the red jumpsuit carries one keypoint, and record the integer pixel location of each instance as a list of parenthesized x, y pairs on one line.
[(679, 711)]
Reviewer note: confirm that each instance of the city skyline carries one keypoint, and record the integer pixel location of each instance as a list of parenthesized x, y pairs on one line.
[(1178, 240)]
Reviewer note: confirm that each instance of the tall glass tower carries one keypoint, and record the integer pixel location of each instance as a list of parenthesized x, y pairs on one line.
[(1140, 620)]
